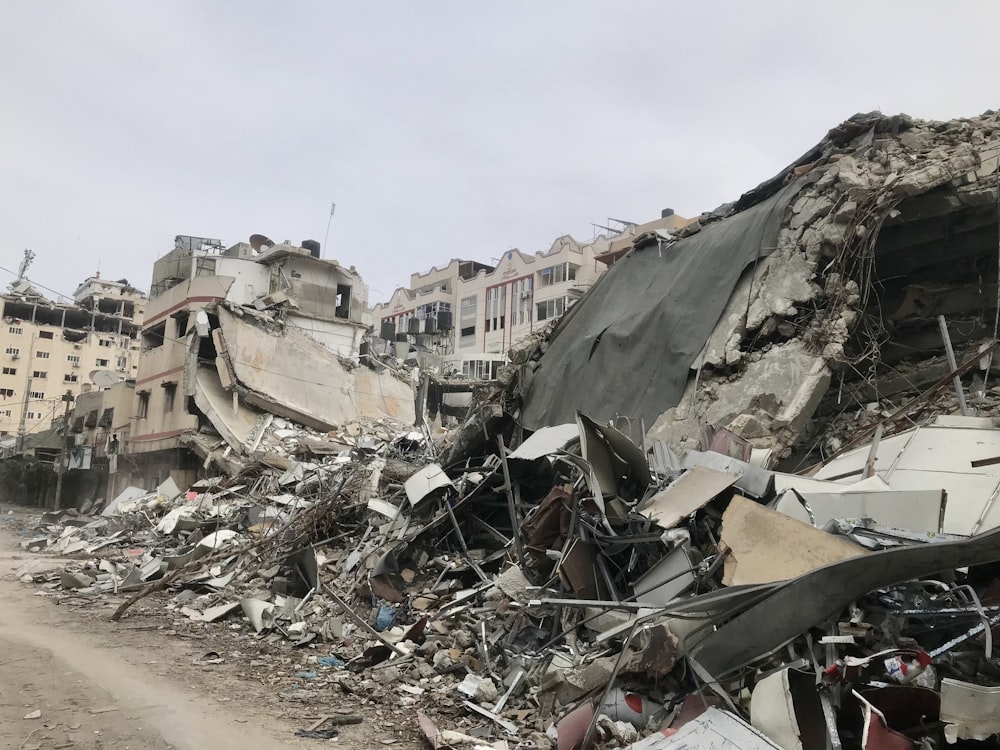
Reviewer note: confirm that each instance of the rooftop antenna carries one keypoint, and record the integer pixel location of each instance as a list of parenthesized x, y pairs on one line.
[(29, 255), (333, 210)]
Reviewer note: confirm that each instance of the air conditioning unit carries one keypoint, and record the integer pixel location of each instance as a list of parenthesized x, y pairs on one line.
[(76, 364), (525, 295), (15, 356)]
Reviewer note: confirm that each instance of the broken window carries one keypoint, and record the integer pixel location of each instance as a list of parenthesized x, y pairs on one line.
[(70, 378), (73, 359), (45, 335), (182, 324), (6, 392), (106, 342), (153, 338), (102, 363), (107, 417), (169, 392), (343, 301), (143, 410)]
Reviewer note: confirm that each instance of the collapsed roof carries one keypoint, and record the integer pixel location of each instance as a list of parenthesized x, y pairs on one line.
[(833, 270)]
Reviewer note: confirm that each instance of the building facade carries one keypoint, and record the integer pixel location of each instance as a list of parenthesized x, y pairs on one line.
[(49, 348), (470, 314)]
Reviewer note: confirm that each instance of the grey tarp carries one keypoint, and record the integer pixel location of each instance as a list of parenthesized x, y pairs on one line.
[(626, 348)]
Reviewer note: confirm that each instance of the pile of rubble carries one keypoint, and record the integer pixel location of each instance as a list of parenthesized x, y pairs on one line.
[(581, 589)]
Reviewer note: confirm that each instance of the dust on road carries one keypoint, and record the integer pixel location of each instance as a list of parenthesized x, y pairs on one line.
[(96, 685)]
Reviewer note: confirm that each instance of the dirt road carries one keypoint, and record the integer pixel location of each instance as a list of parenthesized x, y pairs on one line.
[(71, 680)]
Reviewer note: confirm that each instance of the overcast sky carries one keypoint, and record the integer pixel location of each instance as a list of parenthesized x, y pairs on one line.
[(440, 129)]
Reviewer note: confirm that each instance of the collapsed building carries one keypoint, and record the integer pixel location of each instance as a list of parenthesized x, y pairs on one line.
[(815, 295), (234, 338)]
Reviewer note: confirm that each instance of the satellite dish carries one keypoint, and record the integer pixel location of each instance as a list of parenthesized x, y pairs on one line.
[(104, 378), (257, 241)]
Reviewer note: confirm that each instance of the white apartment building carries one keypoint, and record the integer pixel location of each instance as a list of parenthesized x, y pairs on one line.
[(471, 313), (49, 348)]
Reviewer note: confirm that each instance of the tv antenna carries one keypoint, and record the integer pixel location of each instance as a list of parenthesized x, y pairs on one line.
[(29, 255), (326, 237)]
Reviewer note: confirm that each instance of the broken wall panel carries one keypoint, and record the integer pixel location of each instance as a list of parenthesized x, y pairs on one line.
[(291, 375)]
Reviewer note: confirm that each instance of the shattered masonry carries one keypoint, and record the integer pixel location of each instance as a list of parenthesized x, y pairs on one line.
[(615, 549)]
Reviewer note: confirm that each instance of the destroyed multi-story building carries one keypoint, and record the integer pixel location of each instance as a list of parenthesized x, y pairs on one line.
[(472, 313), (810, 303), (234, 337), (50, 348)]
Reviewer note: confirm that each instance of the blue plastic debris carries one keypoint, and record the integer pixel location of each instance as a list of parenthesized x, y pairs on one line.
[(386, 616), (330, 661)]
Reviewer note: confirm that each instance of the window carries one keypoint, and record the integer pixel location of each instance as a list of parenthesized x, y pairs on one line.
[(32, 415), (13, 351), (467, 322), (36, 395), (121, 363), (496, 305), (343, 301), (10, 371), (181, 325), (45, 335), (40, 374), (153, 338), (551, 308), (557, 274), (73, 359), (484, 369), (16, 331), (42, 355), (5, 413), (102, 362), (521, 313), (106, 342), (143, 404), (70, 378), (6, 392), (169, 392)]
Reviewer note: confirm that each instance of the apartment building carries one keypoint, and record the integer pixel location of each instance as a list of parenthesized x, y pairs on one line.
[(470, 313), (48, 348), (234, 336)]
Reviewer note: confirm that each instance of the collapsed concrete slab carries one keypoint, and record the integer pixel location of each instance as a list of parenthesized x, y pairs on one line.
[(290, 374)]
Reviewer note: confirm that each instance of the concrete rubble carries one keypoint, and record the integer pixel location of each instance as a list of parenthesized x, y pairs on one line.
[(752, 571)]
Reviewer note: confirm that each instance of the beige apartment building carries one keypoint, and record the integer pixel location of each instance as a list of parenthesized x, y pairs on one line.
[(48, 348), (470, 313)]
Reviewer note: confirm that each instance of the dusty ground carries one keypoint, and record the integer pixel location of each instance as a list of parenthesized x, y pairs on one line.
[(135, 684)]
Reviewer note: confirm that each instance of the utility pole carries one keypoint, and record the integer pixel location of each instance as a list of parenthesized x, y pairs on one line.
[(67, 399)]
